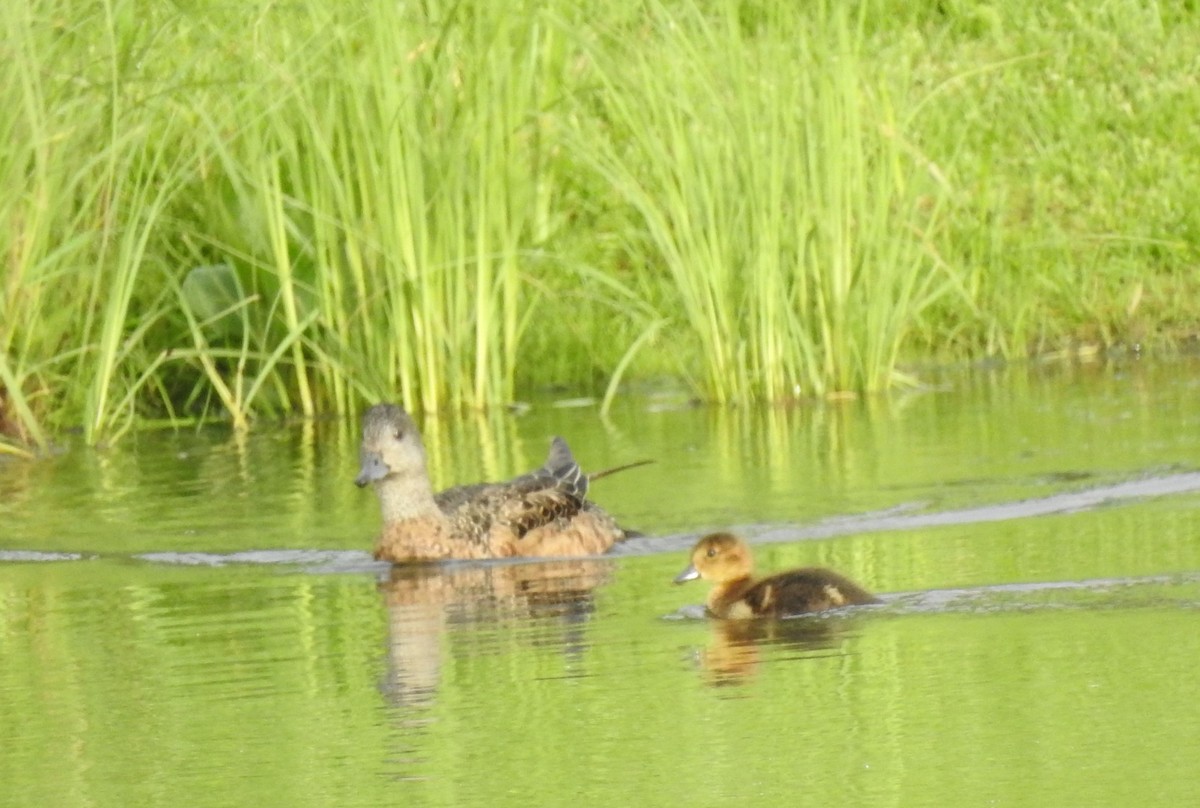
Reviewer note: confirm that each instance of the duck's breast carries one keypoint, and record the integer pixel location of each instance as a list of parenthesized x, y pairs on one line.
[(423, 539)]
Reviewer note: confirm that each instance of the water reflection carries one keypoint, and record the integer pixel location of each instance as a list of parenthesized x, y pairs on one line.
[(736, 648), (424, 602)]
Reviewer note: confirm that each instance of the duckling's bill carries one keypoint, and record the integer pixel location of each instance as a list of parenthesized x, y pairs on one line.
[(689, 574)]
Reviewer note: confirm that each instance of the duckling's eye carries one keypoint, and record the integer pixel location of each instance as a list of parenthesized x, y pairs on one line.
[(712, 551), (399, 434)]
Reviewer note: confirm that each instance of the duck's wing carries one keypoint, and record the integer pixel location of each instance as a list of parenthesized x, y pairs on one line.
[(525, 508), (552, 494), (556, 491), (521, 505), (452, 499), (561, 470)]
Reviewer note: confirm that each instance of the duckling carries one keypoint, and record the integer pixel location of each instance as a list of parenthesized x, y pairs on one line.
[(542, 513), (725, 560)]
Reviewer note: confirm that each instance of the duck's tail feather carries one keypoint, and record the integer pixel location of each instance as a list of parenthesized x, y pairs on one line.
[(564, 469)]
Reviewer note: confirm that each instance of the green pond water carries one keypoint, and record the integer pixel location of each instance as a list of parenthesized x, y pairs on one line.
[(193, 618)]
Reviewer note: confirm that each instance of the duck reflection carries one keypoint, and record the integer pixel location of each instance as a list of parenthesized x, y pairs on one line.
[(736, 647), (425, 603)]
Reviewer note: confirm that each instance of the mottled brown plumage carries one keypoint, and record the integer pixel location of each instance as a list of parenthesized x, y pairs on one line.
[(542, 513), (725, 560)]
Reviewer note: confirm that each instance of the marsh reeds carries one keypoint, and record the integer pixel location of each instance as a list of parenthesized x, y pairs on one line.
[(83, 195), (773, 185), (273, 208), (400, 180)]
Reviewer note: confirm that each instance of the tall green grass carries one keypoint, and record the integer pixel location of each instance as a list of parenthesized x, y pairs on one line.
[(266, 208), (84, 191), (401, 180), (772, 181)]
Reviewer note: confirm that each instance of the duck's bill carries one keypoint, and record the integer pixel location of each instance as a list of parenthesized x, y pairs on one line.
[(371, 469), (689, 574)]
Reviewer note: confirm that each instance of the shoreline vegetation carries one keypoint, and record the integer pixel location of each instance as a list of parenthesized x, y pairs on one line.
[(264, 208)]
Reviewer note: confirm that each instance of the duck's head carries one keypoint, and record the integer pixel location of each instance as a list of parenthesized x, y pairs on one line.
[(391, 445), (718, 557)]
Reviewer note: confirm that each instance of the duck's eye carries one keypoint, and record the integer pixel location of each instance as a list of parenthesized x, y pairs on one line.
[(399, 434), (712, 551)]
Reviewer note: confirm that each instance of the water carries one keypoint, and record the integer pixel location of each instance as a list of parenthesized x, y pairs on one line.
[(194, 618)]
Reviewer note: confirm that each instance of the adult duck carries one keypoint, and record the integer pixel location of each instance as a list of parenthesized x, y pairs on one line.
[(543, 513)]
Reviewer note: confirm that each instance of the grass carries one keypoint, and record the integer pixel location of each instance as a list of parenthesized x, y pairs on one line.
[(299, 208), (770, 179)]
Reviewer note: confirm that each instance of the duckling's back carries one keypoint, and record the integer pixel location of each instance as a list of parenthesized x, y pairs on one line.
[(812, 589)]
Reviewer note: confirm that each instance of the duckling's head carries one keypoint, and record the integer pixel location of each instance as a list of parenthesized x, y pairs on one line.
[(391, 445), (720, 558)]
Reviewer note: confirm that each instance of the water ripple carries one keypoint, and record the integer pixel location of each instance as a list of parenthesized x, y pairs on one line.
[(903, 517)]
